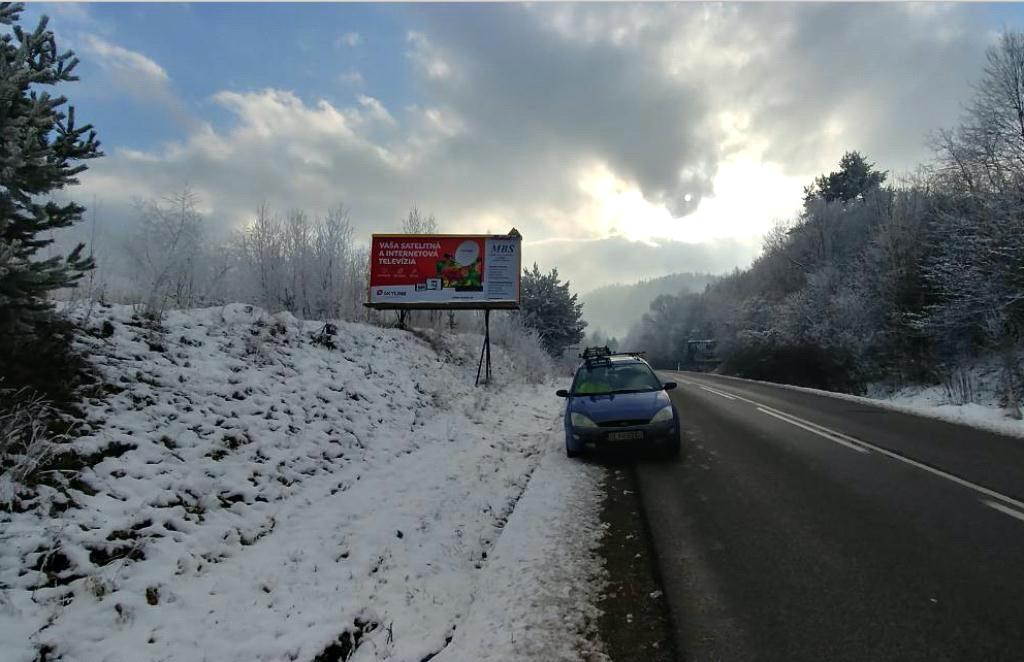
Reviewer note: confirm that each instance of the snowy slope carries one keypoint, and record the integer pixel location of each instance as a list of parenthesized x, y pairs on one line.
[(265, 497)]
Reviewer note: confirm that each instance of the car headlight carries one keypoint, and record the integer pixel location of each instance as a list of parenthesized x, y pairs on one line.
[(581, 421), (664, 414)]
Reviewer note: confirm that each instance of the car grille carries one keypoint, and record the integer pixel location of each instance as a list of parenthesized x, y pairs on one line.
[(622, 424)]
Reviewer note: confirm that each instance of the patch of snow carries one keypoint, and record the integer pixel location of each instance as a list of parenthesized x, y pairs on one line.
[(261, 495), (531, 604)]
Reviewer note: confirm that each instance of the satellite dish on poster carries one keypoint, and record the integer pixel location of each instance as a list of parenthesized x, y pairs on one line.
[(467, 253)]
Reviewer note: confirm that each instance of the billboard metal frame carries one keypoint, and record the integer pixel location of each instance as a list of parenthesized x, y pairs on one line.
[(442, 305)]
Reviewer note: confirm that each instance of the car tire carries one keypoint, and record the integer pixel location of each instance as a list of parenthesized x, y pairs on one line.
[(672, 451), (571, 453)]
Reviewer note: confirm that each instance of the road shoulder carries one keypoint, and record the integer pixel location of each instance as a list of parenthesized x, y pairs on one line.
[(635, 620)]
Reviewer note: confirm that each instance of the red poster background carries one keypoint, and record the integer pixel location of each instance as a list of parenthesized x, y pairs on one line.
[(384, 248)]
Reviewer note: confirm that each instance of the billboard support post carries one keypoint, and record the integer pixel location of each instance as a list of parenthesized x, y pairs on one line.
[(485, 351)]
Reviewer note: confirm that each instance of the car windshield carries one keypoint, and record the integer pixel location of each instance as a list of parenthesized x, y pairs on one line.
[(609, 378)]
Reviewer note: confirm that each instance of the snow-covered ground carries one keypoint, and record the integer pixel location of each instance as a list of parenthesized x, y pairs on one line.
[(984, 410), (265, 497)]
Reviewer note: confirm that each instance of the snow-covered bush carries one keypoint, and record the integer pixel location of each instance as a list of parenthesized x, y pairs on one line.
[(530, 362), (26, 439)]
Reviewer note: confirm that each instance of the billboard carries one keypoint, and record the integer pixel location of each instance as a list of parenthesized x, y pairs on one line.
[(445, 271)]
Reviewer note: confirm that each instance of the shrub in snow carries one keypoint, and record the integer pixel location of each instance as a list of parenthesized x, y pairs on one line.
[(26, 440), (243, 314), (524, 348)]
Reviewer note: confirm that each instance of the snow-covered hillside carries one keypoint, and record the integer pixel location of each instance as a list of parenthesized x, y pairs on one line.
[(269, 489)]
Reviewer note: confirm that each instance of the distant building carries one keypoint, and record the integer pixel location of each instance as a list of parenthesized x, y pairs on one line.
[(701, 352)]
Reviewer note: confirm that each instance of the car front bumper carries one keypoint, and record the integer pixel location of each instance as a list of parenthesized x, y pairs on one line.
[(625, 437)]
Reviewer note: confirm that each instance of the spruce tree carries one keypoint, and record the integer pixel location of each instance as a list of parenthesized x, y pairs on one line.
[(41, 150), (548, 306), (856, 176)]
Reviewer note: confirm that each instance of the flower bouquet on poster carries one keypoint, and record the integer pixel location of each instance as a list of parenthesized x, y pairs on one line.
[(461, 270)]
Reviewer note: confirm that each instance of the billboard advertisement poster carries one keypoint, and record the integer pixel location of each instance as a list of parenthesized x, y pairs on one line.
[(440, 271)]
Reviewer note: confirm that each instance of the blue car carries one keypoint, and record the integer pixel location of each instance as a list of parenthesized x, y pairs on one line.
[(616, 401)]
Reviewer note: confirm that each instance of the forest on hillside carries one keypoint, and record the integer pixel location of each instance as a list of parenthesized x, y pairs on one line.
[(610, 310), (882, 280)]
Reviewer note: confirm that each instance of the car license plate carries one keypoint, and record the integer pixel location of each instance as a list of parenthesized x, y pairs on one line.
[(625, 436)]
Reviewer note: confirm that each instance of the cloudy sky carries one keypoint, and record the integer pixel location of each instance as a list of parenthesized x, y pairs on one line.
[(624, 141)]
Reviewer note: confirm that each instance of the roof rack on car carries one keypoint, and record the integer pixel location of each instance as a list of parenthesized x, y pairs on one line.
[(596, 352), (591, 354)]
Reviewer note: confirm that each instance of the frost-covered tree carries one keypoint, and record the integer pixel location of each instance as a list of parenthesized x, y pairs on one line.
[(528, 358), (419, 223), (263, 255), (548, 307), (985, 153), (166, 250), (336, 283), (41, 153), (306, 265)]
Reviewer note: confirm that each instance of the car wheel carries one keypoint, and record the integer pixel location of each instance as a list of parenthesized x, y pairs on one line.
[(571, 453), (673, 449)]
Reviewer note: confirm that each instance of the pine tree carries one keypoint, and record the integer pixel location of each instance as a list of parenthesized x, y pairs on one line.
[(40, 153), (548, 307), (856, 176)]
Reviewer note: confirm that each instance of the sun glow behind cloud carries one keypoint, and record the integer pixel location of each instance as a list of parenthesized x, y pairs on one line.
[(750, 195)]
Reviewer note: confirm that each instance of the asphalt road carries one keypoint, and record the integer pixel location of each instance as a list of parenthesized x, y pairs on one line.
[(805, 527)]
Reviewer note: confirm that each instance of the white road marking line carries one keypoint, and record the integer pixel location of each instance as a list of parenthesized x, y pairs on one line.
[(733, 396), (956, 479), (864, 446), (680, 379), (720, 393), (816, 426), (1003, 509), (831, 435)]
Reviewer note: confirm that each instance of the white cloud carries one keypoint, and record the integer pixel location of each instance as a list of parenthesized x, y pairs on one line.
[(125, 62), (375, 109), (427, 57), (278, 148), (617, 136), (139, 76), (350, 39), (352, 77)]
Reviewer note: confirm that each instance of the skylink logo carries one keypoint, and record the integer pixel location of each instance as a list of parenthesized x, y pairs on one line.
[(391, 293)]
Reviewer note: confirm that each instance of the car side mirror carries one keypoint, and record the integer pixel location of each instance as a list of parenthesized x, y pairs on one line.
[(668, 386), (562, 393)]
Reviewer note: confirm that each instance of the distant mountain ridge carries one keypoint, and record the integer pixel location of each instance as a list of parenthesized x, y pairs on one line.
[(613, 309)]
